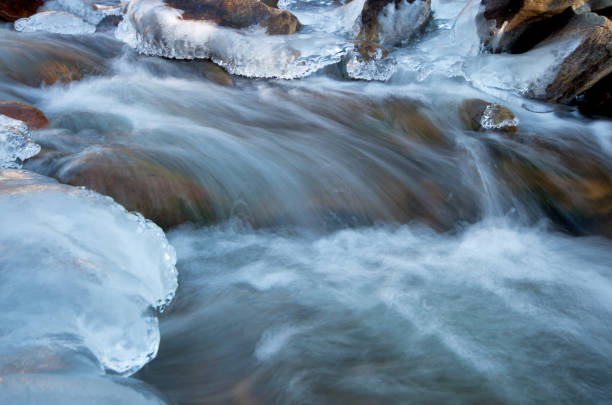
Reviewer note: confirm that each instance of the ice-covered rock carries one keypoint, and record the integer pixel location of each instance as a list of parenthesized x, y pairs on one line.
[(482, 115), (368, 61), (81, 276), (15, 143), (392, 21), (153, 28), (57, 22)]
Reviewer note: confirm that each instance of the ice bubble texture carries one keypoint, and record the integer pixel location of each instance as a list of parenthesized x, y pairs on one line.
[(81, 278), (15, 143)]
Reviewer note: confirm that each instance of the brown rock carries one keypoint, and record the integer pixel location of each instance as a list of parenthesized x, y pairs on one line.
[(598, 99), (480, 115), (572, 185), (165, 196), (49, 60), (239, 14), (517, 26), (590, 61), (13, 10), (23, 112)]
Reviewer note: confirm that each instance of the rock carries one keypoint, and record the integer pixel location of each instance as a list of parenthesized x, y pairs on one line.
[(602, 7), (598, 99), (589, 62), (572, 186), (134, 180), (49, 60), (239, 14), (391, 21), (32, 116), (480, 115), (13, 10), (517, 26)]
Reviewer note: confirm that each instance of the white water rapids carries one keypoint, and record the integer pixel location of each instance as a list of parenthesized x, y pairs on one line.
[(360, 245)]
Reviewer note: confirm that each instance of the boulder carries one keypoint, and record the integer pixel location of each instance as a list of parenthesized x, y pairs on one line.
[(13, 10), (239, 14), (588, 62), (517, 26), (32, 116), (598, 99), (167, 196), (392, 21), (480, 115)]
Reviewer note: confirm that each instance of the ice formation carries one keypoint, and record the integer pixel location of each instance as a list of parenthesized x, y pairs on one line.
[(155, 29), (15, 143), (57, 22), (81, 276)]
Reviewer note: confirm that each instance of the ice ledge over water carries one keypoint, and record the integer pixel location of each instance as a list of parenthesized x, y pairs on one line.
[(81, 276)]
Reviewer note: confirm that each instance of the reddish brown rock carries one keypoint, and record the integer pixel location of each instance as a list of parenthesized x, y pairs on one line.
[(165, 196), (239, 14), (12, 10), (24, 112)]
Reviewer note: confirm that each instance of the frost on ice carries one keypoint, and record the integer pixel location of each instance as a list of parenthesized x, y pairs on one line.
[(15, 143), (81, 276)]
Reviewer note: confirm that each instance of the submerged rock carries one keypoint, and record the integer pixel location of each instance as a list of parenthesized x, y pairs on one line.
[(168, 197), (390, 21), (480, 115), (13, 10), (32, 116), (42, 59), (239, 14)]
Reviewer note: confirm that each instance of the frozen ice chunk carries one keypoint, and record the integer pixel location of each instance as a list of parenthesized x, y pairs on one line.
[(82, 277), (15, 143), (57, 22)]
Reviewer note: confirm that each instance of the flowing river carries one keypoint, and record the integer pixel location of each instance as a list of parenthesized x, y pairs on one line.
[(348, 241)]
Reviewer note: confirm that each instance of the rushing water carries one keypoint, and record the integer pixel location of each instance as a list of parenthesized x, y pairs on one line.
[(357, 243)]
